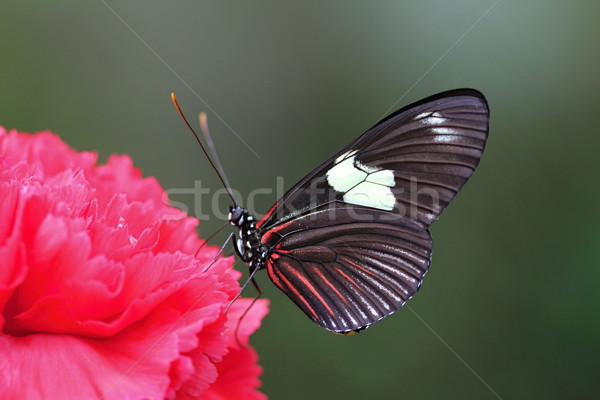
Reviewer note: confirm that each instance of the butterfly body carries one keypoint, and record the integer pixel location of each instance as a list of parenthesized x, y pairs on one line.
[(248, 245), (349, 243)]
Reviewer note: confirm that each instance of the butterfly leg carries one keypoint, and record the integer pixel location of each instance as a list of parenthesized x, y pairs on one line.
[(237, 328), (250, 279), (231, 236), (210, 238)]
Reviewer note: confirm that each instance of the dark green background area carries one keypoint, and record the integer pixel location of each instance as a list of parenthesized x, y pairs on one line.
[(512, 299)]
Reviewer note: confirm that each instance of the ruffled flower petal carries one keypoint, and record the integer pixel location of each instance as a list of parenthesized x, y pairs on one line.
[(101, 292)]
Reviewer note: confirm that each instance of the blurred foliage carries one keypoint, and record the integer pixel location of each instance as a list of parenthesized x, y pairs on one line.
[(513, 292)]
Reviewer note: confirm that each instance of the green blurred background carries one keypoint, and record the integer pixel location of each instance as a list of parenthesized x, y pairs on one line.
[(511, 302)]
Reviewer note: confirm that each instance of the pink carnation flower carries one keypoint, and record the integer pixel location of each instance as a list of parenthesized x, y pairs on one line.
[(101, 296)]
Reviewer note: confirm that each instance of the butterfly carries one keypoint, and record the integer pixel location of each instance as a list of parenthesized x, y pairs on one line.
[(349, 243)]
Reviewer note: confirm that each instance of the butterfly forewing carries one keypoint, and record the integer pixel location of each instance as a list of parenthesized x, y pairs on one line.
[(349, 243), (431, 147)]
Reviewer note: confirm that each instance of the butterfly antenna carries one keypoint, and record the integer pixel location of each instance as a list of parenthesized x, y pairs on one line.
[(218, 170), (211, 146), (210, 238)]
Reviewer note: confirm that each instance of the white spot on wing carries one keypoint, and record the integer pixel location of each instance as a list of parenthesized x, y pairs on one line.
[(345, 155), (362, 184), (443, 130), (430, 118), (446, 138), (344, 175), (366, 168), (383, 177), (371, 195)]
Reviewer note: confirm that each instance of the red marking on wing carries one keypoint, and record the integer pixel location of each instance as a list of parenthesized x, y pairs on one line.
[(278, 281), (310, 287), (274, 277), (316, 271), (266, 237), (280, 227), (349, 279), (267, 215), (358, 266)]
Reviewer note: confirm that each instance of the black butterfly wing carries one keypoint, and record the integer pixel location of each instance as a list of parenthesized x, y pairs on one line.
[(350, 269), (349, 243), (432, 147)]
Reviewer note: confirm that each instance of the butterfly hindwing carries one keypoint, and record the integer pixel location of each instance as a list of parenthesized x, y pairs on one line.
[(353, 268)]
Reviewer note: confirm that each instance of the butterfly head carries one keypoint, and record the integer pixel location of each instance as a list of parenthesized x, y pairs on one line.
[(238, 216)]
